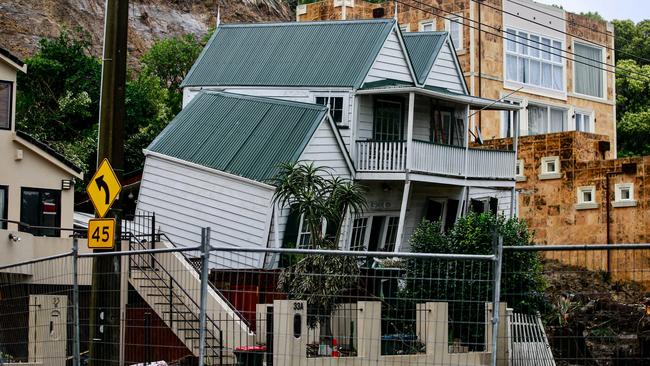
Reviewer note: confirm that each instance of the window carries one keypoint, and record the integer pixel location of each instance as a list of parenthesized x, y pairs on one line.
[(427, 26), (508, 120), (586, 197), (488, 204), (454, 25), (359, 228), (534, 60), (624, 195), (390, 234), (335, 105), (583, 122), (404, 28), (519, 171), (546, 119), (3, 206), (6, 89), (40, 207), (388, 122), (588, 74), (550, 168)]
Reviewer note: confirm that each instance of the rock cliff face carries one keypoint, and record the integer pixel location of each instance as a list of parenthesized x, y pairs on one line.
[(24, 22)]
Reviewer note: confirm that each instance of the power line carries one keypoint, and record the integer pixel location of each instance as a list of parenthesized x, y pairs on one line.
[(627, 72), (548, 27)]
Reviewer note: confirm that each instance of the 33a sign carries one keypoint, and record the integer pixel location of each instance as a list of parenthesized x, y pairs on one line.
[(101, 233)]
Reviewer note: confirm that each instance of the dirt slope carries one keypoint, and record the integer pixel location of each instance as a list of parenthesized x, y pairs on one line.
[(24, 22)]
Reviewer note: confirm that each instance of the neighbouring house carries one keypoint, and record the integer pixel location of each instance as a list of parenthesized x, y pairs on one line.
[(36, 183), (562, 61), (569, 194), (385, 108)]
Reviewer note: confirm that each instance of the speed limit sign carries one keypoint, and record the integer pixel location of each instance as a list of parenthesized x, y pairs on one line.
[(101, 233)]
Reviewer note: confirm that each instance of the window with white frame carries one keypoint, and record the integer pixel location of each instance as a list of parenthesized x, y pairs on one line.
[(519, 170), (389, 237), (358, 237), (405, 28), (588, 78), (454, 25), (534, 60), (583, 122), (428, 25), (546, 119), (304, 234), (624, 195), (335, 104), (586, 198), (550, 167)]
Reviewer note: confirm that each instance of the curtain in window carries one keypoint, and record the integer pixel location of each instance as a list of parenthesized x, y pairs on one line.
[(454, 31), (537, 119), (558, 120), (588, 77)]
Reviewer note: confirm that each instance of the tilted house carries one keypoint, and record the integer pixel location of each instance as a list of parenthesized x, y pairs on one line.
[(359, 97)]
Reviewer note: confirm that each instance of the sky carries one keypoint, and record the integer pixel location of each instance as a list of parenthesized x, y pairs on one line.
[(636, 10)]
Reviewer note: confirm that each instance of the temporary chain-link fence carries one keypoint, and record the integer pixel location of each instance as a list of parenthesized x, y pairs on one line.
[(204, 305)]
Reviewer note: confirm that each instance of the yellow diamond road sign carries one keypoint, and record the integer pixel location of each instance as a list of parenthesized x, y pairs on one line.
[(101, 233), (103, 188)]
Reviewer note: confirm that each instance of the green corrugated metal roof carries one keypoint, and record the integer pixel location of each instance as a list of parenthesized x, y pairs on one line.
[(243, 135), (325, 54), (423, 49)]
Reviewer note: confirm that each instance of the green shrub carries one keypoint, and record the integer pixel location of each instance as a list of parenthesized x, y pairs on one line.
[(467, 285)]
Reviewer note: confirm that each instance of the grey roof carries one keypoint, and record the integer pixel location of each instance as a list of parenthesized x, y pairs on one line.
[(423, 49), (243, 135), (323, 54), (5, 52), (48, 149)]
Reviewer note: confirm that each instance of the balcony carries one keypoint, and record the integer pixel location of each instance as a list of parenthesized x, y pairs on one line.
[(432, 158)]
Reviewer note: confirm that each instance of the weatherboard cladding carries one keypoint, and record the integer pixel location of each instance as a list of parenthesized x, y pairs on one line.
[(324, 54), (423, 49), (243, 135)]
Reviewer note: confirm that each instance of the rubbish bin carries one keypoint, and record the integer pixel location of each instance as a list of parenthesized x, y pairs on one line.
[(250, 355)]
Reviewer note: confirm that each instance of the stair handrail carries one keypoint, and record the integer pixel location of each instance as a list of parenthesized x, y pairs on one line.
[(134, 239), (212, 286)]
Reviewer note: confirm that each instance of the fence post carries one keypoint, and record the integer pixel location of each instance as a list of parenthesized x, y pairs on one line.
[(498, 261), (205, 258), (75, 301)]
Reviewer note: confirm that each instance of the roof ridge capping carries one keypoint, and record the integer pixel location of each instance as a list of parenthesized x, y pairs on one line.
[(298, 24), (265, 99), (424, 33)]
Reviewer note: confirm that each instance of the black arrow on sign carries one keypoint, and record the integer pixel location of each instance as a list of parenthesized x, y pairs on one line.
[(101, 184)]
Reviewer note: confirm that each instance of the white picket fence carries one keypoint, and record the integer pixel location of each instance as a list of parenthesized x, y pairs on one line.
[(528, 341)]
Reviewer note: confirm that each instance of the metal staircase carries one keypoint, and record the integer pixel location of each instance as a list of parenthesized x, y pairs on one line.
[(174, 305)]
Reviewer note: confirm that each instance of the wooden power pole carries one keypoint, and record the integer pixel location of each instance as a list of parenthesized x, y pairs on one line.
[(105, 294)]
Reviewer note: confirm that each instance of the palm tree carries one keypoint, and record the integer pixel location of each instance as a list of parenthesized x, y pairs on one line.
[(320, 198)]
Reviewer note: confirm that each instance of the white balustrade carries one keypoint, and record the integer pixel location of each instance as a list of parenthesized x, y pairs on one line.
[(431, 158), (381, 156)]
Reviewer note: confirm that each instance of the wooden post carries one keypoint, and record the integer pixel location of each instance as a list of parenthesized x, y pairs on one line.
[(105, 340)]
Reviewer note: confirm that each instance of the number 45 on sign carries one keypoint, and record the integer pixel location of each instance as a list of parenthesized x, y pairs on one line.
[(101, 233)]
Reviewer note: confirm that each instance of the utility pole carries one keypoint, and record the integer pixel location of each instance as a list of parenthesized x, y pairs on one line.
[(105, 293)]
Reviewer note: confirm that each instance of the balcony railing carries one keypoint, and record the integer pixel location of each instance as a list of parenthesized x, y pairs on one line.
[(483, 163), (381, 156), (432, 158)]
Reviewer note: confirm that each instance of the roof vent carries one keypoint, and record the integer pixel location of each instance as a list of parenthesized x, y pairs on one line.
[(378, 12)]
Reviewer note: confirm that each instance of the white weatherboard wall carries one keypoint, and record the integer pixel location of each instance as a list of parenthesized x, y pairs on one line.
[(324, 151), (390, 63), (445, 73), (186, 198)]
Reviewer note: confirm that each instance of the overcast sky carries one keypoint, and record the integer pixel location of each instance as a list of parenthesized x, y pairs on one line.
[(636, 10)]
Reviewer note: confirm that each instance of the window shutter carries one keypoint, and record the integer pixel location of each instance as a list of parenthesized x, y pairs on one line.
[(5, 104), (494, 205)]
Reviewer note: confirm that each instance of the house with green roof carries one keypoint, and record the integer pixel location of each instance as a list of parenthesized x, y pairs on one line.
[(387, 109)]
